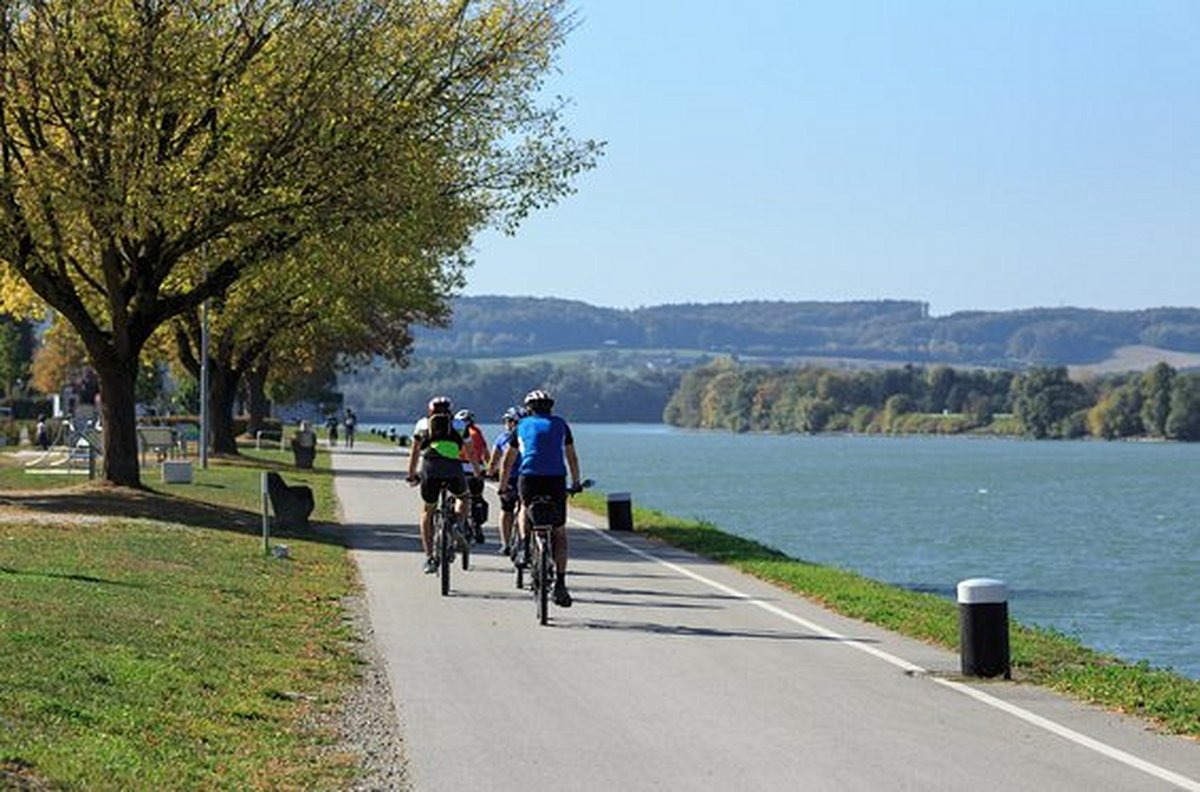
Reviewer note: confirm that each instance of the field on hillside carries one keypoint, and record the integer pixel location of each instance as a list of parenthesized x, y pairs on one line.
[(1138, 358)]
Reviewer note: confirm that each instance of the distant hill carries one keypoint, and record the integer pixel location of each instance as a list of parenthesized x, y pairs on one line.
[(869, 332)]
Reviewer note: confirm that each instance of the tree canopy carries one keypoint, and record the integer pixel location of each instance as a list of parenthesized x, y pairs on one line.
[(153, 154)]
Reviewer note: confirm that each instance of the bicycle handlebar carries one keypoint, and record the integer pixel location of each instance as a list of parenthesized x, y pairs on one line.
[(580, 487)]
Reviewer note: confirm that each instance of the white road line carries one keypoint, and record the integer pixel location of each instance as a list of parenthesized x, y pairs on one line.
[(1034, 719)]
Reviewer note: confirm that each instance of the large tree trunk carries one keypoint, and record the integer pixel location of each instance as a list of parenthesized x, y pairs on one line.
[(257, 404), (119, 421), (223, 382)]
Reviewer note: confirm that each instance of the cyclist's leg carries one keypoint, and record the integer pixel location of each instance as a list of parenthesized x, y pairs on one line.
[(556, 486), (560, 551), (525, 491), (478, 506), (430, 487), (457, 484), (508, 507)]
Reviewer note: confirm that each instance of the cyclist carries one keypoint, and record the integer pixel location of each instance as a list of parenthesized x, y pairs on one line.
[(508, 490), (547, 454), (474, 443), (437, 444)]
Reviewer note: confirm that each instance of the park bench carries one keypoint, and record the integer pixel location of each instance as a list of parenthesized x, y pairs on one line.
[(290, 504), (185, 435), (159, 439)]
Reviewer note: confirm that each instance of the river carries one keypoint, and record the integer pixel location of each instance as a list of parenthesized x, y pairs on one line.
[(1097, 540)]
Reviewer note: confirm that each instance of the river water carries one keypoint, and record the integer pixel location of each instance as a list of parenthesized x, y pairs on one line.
[(1097, 540)]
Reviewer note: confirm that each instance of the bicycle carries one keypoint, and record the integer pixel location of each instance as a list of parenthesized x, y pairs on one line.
[(448, 535), (477, 512), (541, 516)]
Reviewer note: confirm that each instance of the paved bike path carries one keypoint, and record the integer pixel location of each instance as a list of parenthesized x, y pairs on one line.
[(672, 672)]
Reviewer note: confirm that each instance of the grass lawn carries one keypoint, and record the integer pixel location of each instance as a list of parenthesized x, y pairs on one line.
[(1038, 656), (147, 642)]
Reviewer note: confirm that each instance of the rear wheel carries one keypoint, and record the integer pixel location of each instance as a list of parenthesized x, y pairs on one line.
[(443, 551), (543, 581)]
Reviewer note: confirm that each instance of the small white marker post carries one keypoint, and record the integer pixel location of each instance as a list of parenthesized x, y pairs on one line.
[(266, 516)]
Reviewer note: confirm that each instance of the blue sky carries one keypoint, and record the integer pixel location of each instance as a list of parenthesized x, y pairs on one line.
[(973, 155)]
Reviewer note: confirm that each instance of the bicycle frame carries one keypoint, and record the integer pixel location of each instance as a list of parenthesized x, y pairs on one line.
[(542, 568), (540, 517), (447, 530)]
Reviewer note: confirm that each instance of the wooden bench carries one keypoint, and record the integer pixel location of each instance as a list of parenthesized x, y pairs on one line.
[(185, 435), (159, 439)]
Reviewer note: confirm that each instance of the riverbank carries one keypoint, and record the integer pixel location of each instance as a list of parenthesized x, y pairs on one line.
[(1039, 656)]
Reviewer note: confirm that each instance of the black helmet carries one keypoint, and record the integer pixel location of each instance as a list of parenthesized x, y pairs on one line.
[(439, 404)]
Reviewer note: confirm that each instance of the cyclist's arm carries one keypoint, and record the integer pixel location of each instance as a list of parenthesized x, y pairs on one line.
[(414, 455), (510, 456), (572, 464)]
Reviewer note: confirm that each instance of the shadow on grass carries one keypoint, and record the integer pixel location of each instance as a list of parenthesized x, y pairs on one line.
[(100, 499), (58, 576)]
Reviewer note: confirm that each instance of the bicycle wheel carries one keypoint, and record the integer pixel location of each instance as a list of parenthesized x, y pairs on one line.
[(543, 580), (443, 551), (465, 535), (520, 569)]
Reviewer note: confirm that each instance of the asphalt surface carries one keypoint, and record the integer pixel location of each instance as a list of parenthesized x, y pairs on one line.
[(672, 672)]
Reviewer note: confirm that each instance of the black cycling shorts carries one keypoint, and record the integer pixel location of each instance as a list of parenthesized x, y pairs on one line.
[(555, 487), (508, 501), (437, 473)]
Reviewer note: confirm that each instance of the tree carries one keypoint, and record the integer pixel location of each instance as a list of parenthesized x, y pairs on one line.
[(60, 360), (154, 154), (1044, 398), (1183, 421), (322, 315), (1156, 398), (16, 352), (1117, 414)]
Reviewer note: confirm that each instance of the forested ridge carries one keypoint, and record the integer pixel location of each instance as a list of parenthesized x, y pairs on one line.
[(876, 366), (584, 390), (899, 331)]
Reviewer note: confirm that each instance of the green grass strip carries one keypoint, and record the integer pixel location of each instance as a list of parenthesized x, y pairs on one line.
[(155, 654), (1039, 656)]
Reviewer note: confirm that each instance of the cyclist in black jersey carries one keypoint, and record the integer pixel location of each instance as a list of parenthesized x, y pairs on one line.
[(436, 445)]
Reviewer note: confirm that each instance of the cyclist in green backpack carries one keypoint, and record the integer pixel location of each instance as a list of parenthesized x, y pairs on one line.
[(436, 445)]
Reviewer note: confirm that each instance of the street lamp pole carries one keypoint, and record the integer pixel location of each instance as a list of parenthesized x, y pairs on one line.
[(204, 385)]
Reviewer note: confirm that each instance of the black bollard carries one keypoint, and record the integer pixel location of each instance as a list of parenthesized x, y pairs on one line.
[(620, 512), (983, 627)]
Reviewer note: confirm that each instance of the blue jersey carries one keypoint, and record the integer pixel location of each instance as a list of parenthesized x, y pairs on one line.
[(541, 440), (502, 443)]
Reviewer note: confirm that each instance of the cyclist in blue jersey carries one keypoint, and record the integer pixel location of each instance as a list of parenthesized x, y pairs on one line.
[(508, 489), (547, 454), (436, 444)]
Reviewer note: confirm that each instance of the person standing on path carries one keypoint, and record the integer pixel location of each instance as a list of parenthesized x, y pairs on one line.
[(351, 423)]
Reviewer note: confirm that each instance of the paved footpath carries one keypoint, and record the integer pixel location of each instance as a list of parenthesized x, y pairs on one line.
[(672, 672)]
